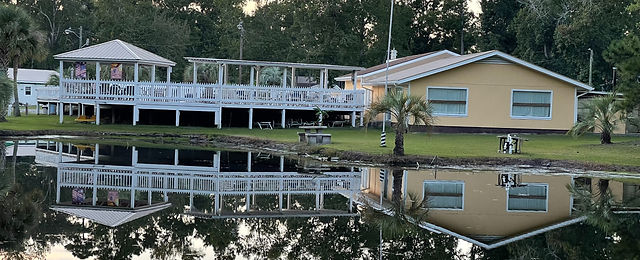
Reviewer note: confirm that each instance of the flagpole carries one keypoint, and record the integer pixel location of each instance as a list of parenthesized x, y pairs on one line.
[(386, 78)]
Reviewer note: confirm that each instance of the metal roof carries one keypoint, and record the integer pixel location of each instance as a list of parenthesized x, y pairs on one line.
[(32, 76), (112, 217), (273, 64), (421, 71), (115, 51)]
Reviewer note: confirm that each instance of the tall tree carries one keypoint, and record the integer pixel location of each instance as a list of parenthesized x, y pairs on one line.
[(21, 42), (495, 19)]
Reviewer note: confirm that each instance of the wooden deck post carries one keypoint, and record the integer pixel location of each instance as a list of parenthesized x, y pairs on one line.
[(283, 118), (218, 118), (293, 77), (153, 73), (177, 117), (252, 76), (353, 119), (284, 78), (195, 73), (97, 114), (135, 114), (250, 118), (61, 111), (354, 79)]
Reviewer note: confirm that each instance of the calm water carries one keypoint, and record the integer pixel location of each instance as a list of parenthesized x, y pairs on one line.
[(83, 200)]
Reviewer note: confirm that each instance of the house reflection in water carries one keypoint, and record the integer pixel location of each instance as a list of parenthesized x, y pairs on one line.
[(471, 206), (117, 178)]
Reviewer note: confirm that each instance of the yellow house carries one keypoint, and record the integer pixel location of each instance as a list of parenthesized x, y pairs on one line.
[(487, 91), (471, 206)]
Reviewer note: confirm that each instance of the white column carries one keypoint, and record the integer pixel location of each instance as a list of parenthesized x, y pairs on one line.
[(321, 79), (97, 114), (98, 69), (283, 118), (169, 69), (134, 183), (225, 74), (257, 75), (293, 77), (134, 156), (281, 163), (96, 154), (353, 119), (61, 92), (250, 118), (218, 118), (354, 79), (135, 114), (248, 161), (177, 117), (94, 194), (220, 73), (252, 76), (284, 77), (136, 68), (195, 73), (326, 78), (149, 196), (361, 118), (61, 111), (175, 157), (70, 109), (153, 73)]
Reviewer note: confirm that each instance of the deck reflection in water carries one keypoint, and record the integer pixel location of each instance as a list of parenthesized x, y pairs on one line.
[(471, 206), (118, 177)]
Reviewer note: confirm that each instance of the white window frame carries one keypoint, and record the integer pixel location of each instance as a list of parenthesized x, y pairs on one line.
[(546, 202), (30, 90), (466, 107), (453, 182), (532, 117)]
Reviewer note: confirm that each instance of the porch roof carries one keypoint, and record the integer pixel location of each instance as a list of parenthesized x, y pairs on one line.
[(274, 64), (115, 51), (112, 217)]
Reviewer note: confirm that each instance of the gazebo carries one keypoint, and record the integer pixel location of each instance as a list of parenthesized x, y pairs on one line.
[(114, 55)]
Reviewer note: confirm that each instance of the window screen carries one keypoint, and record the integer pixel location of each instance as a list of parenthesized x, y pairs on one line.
[(531, 104), (528, 198), (444, 195), (448, 101)]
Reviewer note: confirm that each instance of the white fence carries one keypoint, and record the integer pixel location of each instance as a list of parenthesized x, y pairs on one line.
[(158, 93), (203, 182)]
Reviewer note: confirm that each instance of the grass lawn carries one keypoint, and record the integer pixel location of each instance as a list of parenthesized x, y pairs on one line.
[(625, 151)]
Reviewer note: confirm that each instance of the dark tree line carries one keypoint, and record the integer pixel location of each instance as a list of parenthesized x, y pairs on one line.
[(555, 34)]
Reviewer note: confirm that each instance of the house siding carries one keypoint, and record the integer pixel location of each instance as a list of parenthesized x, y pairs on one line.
[(490, 87)]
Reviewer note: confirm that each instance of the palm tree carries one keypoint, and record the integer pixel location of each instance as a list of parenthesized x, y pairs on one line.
[(603, 114), (6, 88), (402, 107), (21, 42)]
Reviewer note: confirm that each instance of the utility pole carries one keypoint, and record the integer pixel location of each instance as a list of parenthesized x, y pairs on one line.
[(79, 35), (383, 135), (241, 28), (462, 29), (80, 41), (590, 67)]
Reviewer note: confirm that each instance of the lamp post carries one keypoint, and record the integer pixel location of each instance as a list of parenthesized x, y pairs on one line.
[(386, 79), (613, 86), (241, 28), (79, 35)]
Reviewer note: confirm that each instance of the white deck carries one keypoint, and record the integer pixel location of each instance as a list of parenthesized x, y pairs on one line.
[(207, 97)]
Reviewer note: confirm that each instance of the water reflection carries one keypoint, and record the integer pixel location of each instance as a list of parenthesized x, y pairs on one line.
[(112, 201)]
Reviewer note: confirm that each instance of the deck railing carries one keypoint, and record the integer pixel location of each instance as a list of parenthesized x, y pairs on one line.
[(48, 93), (202, 182), (206, 94)]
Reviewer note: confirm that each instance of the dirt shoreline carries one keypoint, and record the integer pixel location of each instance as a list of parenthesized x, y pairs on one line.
[(348, 156)]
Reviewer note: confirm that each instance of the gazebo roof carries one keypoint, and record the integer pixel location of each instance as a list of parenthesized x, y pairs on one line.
[(115, 51), (112, 217)]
